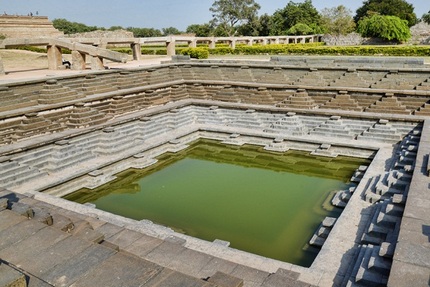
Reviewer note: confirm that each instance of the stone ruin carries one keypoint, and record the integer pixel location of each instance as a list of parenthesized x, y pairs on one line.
[(81, 130)]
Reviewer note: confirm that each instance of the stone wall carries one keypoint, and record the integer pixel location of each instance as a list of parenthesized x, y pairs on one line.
[(420, 34), (27, 27)]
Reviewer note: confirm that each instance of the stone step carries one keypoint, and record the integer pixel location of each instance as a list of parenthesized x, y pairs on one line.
[(10, 277), (378, 263)]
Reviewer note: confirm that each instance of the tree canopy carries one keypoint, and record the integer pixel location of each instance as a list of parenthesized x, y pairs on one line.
[(399, 8), (337, 20), (293, 14), (73, 27), (229, 14), (385, 27), (426, 17)]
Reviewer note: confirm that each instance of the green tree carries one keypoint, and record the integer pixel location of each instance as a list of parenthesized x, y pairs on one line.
[(337, 20), (300, 29), (170, 31), (200, 30), (426, 17), (145, 32), (227, 15), (399, 8), (114, 28), (292, 14), (385, 27), (73, 27)]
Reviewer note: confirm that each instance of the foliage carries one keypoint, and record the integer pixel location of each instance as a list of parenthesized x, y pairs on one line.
[(320, 49), (171, 31), (385, 27), (426, 17), (228, 14), (2, 36), (145, 32), (337, 20), (399, 8), (292, 14), (198, 53), (200, 30), (73, 27), (114, 28), (300, 29)]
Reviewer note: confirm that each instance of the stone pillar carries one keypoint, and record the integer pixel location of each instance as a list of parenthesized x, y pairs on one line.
[(136, 49), (264, 42), (2, 71), (78, 61), (277, 40), (212, 44), (193, 44), (171, 47), (250, 42), (233, 44), (97, 63), (55, 59)]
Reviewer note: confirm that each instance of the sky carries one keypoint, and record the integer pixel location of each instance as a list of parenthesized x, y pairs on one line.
[(154, 13)]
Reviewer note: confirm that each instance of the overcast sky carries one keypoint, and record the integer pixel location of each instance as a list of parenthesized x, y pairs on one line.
[(153, 13)]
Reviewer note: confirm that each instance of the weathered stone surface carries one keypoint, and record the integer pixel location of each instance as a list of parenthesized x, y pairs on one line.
[(10, 277), (225, 280), (120, 270)]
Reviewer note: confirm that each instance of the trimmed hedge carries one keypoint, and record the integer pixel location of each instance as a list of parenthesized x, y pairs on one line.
[(198, 53)]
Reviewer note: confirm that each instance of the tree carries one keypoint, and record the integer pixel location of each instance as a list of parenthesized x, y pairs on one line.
[(385, 27), (337, 20), (171, 31), (399, 8), (145, 32), (200, 30), (292, 14), (229, 14), (426, 17), (300, 29), (73, 27), (114, 28)]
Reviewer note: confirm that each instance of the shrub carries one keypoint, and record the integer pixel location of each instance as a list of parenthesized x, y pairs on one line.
[(198, 53)]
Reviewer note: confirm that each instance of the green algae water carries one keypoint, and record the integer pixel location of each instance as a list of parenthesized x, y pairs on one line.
[(264, 203)]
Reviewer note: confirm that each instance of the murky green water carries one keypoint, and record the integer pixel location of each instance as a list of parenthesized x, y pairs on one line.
[(264, 203)]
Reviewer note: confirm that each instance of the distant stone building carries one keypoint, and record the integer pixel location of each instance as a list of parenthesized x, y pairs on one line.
[(27, 27)]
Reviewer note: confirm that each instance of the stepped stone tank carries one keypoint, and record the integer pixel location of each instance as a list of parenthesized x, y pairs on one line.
[(76, 131)]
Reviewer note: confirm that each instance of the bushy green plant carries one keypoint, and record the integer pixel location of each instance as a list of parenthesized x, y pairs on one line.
[(300, 29), (198, 53), (385, 27)]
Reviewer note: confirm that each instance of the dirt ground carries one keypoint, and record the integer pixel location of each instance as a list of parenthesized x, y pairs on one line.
[(19, 60)]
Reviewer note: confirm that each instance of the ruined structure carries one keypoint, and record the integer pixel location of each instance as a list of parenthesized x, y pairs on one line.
[(64, 133)]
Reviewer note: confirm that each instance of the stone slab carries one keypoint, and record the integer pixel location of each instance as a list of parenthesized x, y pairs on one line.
[(124, 238), (19, 232), (10, 277), (190, 262), (170, 278), (77, 266), (31, 246), (250, 275), (10, 218), (215, 265), (121, 269), (225, 280), (407, 275), (164, 253), (142, 246), (57, 254)]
